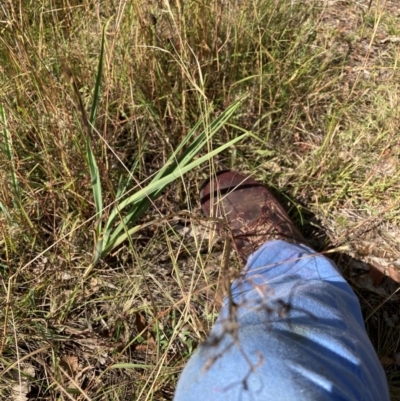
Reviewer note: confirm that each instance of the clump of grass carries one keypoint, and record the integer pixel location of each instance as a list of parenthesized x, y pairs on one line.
[(94, 169)]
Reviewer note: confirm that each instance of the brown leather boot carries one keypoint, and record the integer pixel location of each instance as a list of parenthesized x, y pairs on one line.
[(253, 215)]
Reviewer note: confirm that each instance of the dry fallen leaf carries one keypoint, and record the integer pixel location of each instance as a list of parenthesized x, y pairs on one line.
[(386, 361), (142, 326), (391, 39), (70, 364), (20, 390)]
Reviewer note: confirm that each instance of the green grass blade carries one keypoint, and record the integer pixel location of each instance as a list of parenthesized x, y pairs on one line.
[(93, 167), (95, 179), (155, 187), (97, 87), (175, 162), (131, 366), (9, 153)]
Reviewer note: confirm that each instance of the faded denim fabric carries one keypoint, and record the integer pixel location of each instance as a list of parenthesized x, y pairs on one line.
[(294, 331)]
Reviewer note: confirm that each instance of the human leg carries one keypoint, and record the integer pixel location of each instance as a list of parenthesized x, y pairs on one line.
[(297, 333), (292, 327)]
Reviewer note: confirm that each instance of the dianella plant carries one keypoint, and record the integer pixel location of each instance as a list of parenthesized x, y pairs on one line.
[(130, 205)]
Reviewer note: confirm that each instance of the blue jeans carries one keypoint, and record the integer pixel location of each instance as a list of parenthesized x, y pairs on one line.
[(291, 330)]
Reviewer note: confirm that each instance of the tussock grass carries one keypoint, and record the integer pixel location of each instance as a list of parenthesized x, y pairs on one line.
[(281, 89)]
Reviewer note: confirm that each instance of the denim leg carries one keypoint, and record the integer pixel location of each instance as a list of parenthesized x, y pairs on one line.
[(292, 331)]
